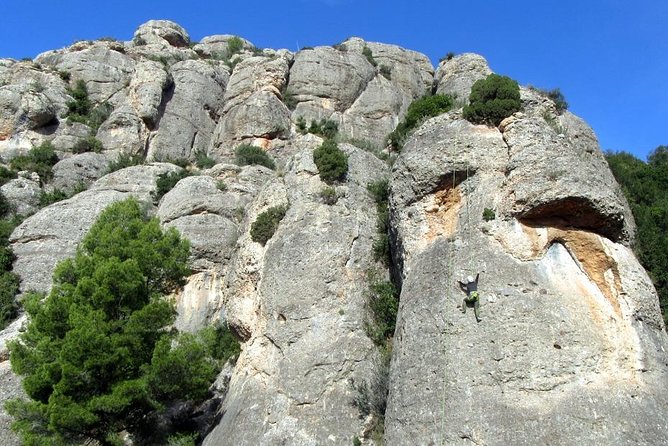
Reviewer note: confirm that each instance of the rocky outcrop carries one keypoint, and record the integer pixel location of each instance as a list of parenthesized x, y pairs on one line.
[(162, 32), (571, 346), (253, 109), (191, 112), (570, 331), (22, 194), (456, 76), (304, 339)]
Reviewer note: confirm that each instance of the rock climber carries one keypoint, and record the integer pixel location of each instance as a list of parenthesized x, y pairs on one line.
[(470, 287)]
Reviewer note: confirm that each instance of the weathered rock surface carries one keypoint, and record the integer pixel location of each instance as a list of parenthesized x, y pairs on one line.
[(325, 80), (191, 112), (22, 194), (148, 83), (305, 338), (456, 76), (162, 32), (82, 168), (570, 337), (105, 71), (571, 347)]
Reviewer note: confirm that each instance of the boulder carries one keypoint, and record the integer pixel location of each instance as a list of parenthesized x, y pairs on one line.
[(191, 113), (124, 131), (324, 80), (148, 83), (161, 32), (217, 46), (83, 168), (456, 76), (262, 115), (22, 194), (105, 71)]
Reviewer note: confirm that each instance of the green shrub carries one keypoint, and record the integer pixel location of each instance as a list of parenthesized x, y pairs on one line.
[(166, 182), (40, 159), (220, 343), (331, 161), (98, 115), (247, 154), (301, 125), (203, 161), (9, 287), (266, 224), (492, 100), (47, 198), (6, 175), (420, 110), (88, 144), (64, 75), (380, 191), (448, 56), (328, 195), (182, 439), (384, 306), (221, 185), (79, 107), (124, 160), (5, 206), (326, 128), (386, 72), (645, 186), (234, 45), (488, 214), (366, 52)]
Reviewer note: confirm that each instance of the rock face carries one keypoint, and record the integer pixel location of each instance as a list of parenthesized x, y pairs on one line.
[(571, 348), (570, 330)]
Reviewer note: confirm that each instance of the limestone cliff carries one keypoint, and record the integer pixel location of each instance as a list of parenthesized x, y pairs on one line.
[(571, 348)]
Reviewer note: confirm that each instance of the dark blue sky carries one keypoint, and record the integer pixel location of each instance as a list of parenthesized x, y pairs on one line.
[(609, 57)]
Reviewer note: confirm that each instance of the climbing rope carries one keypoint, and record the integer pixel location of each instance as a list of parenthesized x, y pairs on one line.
[(449, 284)]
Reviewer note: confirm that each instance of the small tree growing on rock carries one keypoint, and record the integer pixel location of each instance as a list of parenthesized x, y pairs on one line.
[(98, 355), (492, 100), (266, 224)]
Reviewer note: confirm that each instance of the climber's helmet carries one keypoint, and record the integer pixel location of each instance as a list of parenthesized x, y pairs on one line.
[(469, 279)]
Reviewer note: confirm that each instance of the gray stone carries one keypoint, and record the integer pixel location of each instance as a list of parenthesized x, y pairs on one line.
[(190, 116), (22, 194), (576, 338), (457, 75), (68, 134), (217, 46), (255, 74), (262, 116), (124, 131), (305, 338), (162, 32), (325, 80), (105, 71), (148, 83), (83, 168)]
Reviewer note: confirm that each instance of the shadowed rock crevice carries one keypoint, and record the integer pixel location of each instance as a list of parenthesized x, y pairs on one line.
[(575, 213)]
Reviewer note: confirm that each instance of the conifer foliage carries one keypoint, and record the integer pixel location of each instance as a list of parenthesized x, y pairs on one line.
[(97, 355)]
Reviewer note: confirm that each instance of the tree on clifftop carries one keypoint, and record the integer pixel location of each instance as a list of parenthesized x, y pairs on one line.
[(98, 354), (645, 186)]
